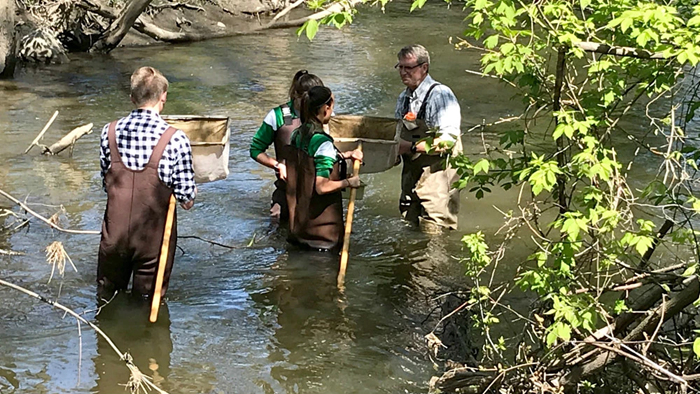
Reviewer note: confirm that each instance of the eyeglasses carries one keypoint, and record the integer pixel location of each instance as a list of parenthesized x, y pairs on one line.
[(400, 67)]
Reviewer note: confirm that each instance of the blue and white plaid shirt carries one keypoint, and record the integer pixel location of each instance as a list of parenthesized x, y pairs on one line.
[(442, 111), (137, 136)]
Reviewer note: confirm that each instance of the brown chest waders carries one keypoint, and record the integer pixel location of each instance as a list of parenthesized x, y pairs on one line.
[(315, 220), (283, 137), (427, 195), (132, 230)]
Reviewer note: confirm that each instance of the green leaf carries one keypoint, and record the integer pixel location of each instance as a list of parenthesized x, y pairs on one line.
[(690, 270), (620, 307), (643, 244), (696, 347), (626, 24), (559, 131), (417, 4), (507, 48), (481, 166), (694, 21), (696, 205), (642, 39), (311, 27), (599, 66), (491, 42)]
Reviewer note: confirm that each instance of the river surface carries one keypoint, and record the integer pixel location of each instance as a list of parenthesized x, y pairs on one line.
[(258, 319)]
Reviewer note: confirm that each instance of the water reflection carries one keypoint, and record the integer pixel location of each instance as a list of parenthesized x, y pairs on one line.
[(312, 329), (125, 321)]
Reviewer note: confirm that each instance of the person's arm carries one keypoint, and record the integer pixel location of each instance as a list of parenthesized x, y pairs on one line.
[(263, 138), (442, 112), (325, 185), (182, 178), (324, 158), (104, 155)]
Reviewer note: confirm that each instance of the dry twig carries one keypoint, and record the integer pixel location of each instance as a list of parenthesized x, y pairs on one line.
[(56, 256), (41, 134), (11, 253), (43, 219)]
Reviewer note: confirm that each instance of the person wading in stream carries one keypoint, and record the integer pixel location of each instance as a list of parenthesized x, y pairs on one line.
[(144, 161), (316, 172), (430, 131), (277, 128)]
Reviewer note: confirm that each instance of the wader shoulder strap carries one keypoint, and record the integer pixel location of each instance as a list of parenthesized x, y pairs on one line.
[(286, 114), (160, 147), (342, 164), (424, 105), (112, 141)]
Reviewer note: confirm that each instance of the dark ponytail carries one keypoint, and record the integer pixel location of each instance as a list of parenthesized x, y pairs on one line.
[(301, 83), (311, 103)]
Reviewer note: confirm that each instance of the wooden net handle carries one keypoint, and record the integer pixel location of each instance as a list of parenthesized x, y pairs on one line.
[(163, 259)]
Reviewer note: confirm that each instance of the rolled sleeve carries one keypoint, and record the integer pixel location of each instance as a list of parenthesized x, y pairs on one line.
[(324, 159), (104, 154), (443, 112), (182, 180), (265, 135)]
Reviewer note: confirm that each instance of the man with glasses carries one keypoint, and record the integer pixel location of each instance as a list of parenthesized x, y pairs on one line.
[(429, 125)]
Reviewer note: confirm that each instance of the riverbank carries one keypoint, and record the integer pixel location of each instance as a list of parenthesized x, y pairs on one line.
[(48, 30)]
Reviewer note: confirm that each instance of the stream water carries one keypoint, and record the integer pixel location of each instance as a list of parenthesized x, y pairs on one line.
[(262, 319)]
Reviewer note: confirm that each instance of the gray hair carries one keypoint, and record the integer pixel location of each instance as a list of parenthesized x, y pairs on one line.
[(419, 51)]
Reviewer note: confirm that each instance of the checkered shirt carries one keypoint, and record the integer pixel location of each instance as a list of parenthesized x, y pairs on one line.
[(137, 136)]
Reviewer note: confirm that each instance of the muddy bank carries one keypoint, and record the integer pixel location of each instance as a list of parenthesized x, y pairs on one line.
[(206, 19), (49, 29)]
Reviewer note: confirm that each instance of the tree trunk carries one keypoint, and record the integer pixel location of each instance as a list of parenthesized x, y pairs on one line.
[(7, 38), (118, 29)]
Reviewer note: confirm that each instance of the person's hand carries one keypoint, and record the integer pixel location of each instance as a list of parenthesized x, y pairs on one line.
[(187, 205), (354, 182), (357, 155), (282, 171)]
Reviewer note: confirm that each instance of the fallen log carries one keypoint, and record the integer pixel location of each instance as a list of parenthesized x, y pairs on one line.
[(645, 302), (121, 25), (661, 314), (462, 378), (619, 51), (160, 7), (143, 25), (68, 141), (287, 10)]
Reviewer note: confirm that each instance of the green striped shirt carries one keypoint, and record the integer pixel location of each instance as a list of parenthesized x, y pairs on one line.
[(265, 135), (321, 148)]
